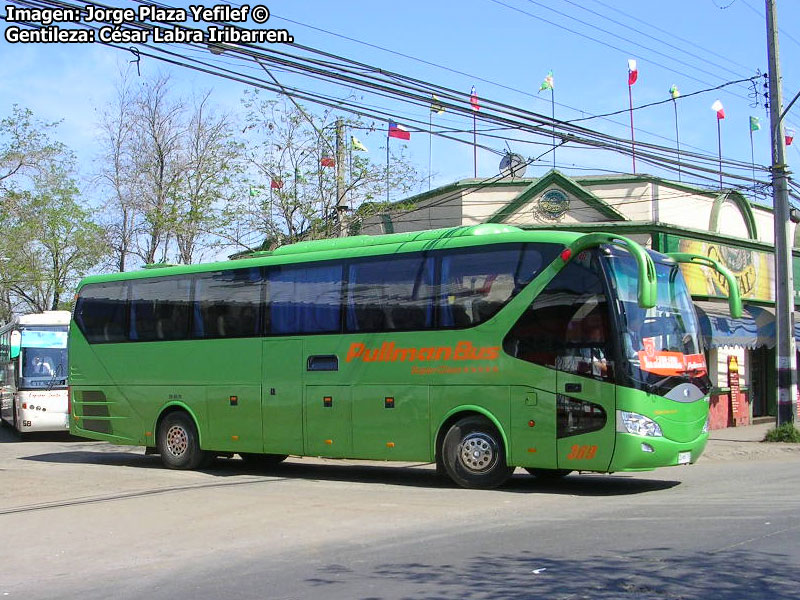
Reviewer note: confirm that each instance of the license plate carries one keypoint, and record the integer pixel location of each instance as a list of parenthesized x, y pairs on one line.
[(684, 458)]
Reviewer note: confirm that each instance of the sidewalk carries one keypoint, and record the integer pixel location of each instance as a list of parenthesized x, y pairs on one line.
[(745, 443), (747, 433)]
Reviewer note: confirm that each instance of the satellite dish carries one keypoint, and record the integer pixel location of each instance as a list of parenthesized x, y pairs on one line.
[(512, 165)]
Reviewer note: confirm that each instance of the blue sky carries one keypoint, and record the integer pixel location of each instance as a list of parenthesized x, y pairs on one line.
[(503, 47)]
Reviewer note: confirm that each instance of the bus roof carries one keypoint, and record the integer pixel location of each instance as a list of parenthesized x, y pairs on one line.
[(359, 246), (48, 317)]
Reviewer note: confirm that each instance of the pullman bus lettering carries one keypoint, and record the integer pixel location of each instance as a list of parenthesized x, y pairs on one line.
[(388, 352)]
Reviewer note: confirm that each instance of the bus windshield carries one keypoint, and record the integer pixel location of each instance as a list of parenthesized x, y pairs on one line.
[(661, 345), (43, 357)]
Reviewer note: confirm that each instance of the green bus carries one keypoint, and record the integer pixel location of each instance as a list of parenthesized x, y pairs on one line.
[(480, 348)]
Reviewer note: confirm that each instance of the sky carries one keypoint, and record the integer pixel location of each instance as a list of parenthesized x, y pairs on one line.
[(504, 48)]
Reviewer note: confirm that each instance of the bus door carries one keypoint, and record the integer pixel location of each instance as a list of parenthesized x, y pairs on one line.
[(585, 392), (566, 329), (282, 396)]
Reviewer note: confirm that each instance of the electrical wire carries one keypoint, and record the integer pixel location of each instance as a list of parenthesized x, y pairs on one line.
[(417, 93)]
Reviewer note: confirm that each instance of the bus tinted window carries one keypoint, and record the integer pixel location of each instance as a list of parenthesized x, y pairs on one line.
[(160, 308), (227, 304), (476, 284), (390, 294), (101, 312), (305, 299)]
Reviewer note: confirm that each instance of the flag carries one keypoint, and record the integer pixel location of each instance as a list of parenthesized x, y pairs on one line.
[(275, 184), (674, 92), (327, 161), (547, 84), (357, 145), (633, 72), (398, 131), (435, 106), (473, 99), (789, 136), (717, 106), (754, 124)]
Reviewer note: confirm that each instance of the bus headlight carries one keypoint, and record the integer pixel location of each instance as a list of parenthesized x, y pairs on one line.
[(705, 426), (631, 422)]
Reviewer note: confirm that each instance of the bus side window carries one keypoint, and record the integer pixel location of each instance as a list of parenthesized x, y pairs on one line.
[(160, 308), (305, 298), (101, 312), (390, 294), (468, 278), (228, 304)]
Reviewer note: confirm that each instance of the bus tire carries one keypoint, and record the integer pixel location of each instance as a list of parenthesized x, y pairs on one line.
[(473, 454), (263, 461), (178, 442), (548, 474)]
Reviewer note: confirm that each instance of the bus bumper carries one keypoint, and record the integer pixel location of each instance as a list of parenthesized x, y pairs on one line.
[(32, 421), (644, 453)]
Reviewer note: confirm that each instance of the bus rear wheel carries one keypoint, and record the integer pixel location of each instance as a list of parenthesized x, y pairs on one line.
[(178, 442), (473, 454)]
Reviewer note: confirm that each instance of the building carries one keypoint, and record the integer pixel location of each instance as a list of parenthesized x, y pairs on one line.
[(666, 216)]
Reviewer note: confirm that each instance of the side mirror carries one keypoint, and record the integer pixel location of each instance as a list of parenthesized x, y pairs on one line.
[(16, 343)]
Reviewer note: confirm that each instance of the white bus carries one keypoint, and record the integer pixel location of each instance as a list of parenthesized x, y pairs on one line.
[(33, 372)]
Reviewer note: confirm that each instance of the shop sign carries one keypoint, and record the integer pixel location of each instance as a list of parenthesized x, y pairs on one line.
[(733, 383), (754, 271)]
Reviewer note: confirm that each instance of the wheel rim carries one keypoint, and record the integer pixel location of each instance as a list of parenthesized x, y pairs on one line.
[(177, 441), (478, 452)]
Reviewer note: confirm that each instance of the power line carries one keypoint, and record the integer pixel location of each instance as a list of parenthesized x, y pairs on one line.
[(648, 48), (668, 44), (414, 91), (457, 72), (659, 102), (671, 33), (597, 40)]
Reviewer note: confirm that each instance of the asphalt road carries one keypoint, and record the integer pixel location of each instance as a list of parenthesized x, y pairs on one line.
[(87, 520)]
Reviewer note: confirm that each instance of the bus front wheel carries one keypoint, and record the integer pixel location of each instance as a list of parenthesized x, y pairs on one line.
[(178, 442), (473, 454)]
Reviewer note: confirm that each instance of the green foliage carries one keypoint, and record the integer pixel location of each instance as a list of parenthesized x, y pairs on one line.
[(286, 143), (49, 239), (785, 433)]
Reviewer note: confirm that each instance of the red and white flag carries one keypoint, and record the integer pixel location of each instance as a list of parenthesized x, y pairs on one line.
[(633, 71), (398, 131), (717, 106), (473, 99)]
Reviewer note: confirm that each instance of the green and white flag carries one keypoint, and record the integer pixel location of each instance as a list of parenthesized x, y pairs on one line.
[(548, 83)]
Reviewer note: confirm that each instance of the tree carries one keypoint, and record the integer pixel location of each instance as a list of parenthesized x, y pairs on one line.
[(170, 166), (52, 243), (212, 161), (48, 240), (295, 193), (117, 175), (158, 162), (25, 149)]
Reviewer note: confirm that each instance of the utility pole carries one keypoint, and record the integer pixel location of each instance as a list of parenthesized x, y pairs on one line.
[(341, 205), (786, 361)]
